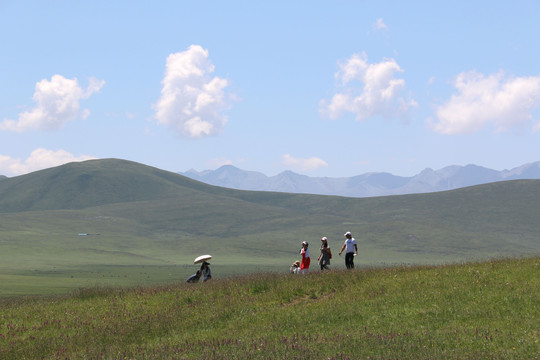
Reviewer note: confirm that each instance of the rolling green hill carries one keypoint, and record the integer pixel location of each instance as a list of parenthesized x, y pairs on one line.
[(123, 223), (91, 183)]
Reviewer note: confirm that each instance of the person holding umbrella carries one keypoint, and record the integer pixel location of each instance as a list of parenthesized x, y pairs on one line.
[(351, 250), (205, 271)]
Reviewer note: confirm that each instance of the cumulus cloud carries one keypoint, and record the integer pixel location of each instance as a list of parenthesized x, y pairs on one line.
[(39, 159), (57, 102), (300, 164), (368, 90), (497, 100), (192, 101), (379, 25)]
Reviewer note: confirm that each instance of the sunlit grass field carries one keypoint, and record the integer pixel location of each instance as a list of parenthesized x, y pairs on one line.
[(488, 310)]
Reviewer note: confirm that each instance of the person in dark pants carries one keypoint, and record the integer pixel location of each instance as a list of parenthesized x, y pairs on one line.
[(194, 278), (325, 255), (351, 249)]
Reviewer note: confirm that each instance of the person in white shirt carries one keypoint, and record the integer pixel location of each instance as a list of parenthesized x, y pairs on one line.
[(304, 265), (351, 249)]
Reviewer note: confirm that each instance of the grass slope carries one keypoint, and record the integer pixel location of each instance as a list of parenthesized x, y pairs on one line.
[(486, 310), (91, 183), (146, 225)]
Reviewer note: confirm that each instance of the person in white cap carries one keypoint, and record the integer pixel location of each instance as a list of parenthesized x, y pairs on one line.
[(325, 255), (351, 249), (304, 251)]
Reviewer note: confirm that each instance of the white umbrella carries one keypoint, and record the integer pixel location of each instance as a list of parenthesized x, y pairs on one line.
[(202, 258)]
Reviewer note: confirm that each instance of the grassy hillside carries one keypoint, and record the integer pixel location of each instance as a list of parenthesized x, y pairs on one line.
[(484, 310), (145, 226), (91, 183)]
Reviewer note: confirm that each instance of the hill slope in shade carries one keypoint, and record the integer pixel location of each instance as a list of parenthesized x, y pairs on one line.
[(366, 185)]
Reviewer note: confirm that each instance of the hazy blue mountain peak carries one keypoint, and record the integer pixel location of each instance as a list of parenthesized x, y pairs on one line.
[(367, 184)]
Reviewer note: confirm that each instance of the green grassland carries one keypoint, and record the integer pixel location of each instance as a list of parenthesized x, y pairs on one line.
[(145, 226), (485, 310)]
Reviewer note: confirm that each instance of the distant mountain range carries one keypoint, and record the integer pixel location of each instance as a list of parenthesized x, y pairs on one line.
[(366, 185)]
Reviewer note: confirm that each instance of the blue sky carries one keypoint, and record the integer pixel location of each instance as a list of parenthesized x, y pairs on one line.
[(322, 88)]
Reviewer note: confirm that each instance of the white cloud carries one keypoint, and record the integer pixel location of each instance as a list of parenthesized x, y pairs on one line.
[(57, 103), (191, 99), (368, 90), (503, 102), (39, 159), (299, 164), (379, 25)]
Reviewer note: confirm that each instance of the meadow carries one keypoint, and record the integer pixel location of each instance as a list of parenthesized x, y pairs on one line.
[(481, 310), (145, 226)]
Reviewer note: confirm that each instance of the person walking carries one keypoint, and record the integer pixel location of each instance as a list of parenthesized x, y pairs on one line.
[(325, 255), (304, 251), (351, 249)]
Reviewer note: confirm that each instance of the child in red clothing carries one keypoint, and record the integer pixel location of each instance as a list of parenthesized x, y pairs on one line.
[(304, 266)]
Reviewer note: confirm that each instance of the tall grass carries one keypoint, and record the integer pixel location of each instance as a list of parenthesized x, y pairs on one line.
[(484, 310)]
